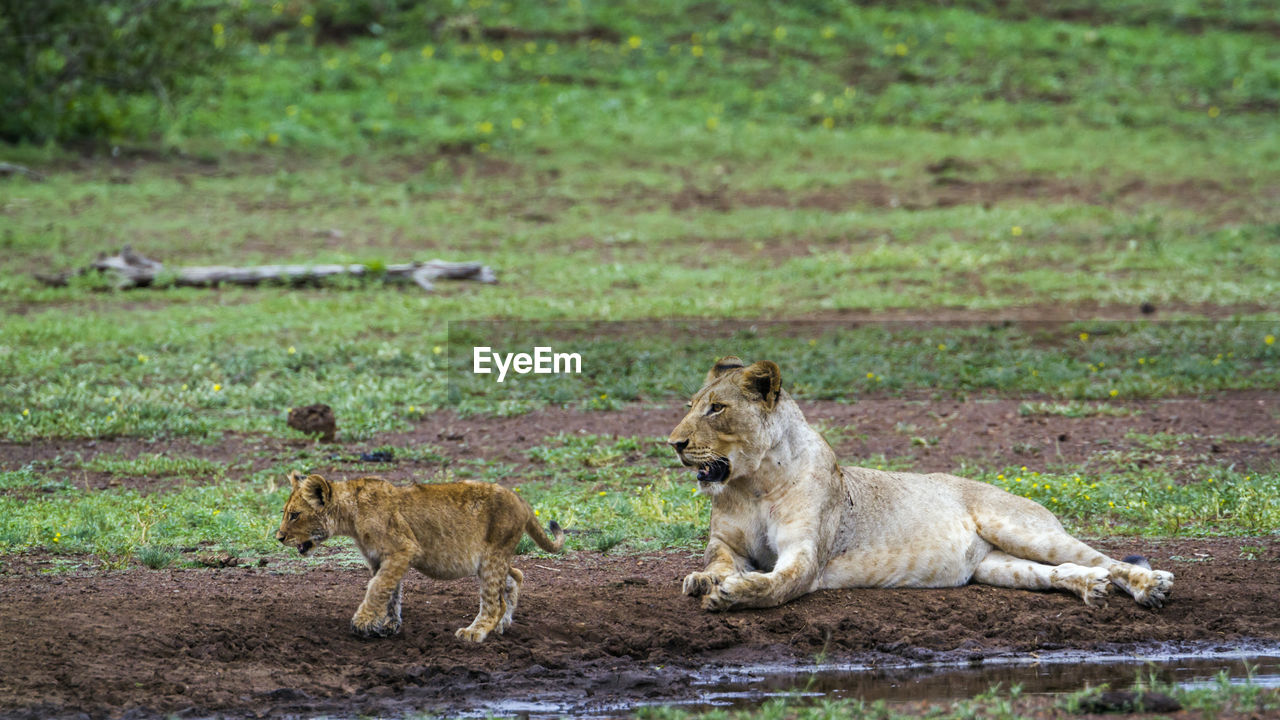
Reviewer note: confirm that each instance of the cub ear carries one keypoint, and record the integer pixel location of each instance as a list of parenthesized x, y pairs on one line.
[(296, 477), (317, 491), (764, 379), (722, 366)]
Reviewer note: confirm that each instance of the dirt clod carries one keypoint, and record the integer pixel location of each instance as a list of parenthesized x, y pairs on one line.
[(315, 420)]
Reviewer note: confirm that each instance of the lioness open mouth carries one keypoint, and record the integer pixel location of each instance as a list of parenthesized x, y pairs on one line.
[(305, 547), (714, 472)]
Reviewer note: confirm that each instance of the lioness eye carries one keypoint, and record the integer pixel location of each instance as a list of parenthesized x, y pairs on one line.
[(715, 408), (294, 516)]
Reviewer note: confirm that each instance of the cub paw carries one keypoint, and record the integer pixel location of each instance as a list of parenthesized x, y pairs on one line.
[(700, 584), (374, 627), (472, 634), (1156, 592)]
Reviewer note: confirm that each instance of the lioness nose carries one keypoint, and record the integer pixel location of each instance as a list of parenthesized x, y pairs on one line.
[(279, 536), (679, 445)]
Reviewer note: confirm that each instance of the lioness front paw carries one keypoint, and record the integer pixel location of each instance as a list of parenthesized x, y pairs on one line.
[(472, 634), (1155, 593), (716, 600), (700, 583), (367, 627), (729, 592)]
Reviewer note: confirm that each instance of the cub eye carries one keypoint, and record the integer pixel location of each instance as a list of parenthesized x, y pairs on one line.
[(294, 516), (715, 408)]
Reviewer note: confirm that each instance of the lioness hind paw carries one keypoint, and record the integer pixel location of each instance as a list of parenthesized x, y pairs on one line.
[(1090, 583), (1096, 589), (1157, 593)]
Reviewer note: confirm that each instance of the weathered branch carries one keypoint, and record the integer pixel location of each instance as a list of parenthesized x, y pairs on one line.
[(7, 169), (132, 270)]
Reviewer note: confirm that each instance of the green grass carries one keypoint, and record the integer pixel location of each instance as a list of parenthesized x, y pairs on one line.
[(156, 465), (117, 524), (721, 74), (94, 380), (610, 494)]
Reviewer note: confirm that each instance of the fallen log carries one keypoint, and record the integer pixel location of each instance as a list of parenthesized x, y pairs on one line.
[(131, 269)]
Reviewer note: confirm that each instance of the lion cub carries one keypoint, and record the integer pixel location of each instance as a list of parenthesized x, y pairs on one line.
[(446, 531)]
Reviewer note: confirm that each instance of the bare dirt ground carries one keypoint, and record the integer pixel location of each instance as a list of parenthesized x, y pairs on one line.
[(596, 632), (591, 630)]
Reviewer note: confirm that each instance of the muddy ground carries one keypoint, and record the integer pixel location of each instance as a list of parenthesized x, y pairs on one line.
[(597, 632), (591, 631)]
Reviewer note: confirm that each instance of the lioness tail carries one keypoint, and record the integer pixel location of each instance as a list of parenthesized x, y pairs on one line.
[(550, 544)]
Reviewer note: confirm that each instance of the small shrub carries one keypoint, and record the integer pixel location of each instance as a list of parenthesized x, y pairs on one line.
[(70, 70)]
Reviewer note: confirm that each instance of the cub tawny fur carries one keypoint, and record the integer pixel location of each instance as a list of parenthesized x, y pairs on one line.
[(445, 531), (787, 519)]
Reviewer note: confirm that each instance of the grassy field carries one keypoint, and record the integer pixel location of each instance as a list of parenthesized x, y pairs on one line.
[(628, 175), (632, 170)]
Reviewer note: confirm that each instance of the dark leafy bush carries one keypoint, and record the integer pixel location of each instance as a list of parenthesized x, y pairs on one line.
[(73, 71)]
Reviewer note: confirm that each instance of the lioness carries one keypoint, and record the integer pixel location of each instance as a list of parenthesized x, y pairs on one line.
[(786, 519), (446, 531)]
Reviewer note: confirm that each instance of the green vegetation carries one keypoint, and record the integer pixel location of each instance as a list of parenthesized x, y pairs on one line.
[(75, 72), (610, 494), (164, 379)]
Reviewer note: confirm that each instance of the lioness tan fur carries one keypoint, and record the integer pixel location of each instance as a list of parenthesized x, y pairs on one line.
[(445, 531), (787, 519)]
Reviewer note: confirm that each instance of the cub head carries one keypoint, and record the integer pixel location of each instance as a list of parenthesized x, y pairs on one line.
[(303, 525), (724, 435)]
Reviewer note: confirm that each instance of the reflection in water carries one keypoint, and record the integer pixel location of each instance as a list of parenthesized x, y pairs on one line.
[(1056, 674), (1048, 673)]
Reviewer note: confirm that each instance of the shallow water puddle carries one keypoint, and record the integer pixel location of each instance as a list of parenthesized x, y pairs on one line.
[(1057, 672), (1050, 673)]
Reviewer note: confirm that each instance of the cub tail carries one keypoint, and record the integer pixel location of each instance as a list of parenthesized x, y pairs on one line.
[(550, 544)]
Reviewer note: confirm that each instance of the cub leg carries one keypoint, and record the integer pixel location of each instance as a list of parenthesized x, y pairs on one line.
[(374, 617), (494, 572), (1004, 570), (393, 605), (1027, 530), (510, 596)]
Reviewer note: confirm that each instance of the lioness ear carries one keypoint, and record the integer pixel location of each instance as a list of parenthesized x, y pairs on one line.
[(295, 477), (722, 366), (764, 379), (316, 491)]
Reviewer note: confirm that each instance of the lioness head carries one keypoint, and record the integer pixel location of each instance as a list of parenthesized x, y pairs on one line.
[(724, 434), (303, 525)]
